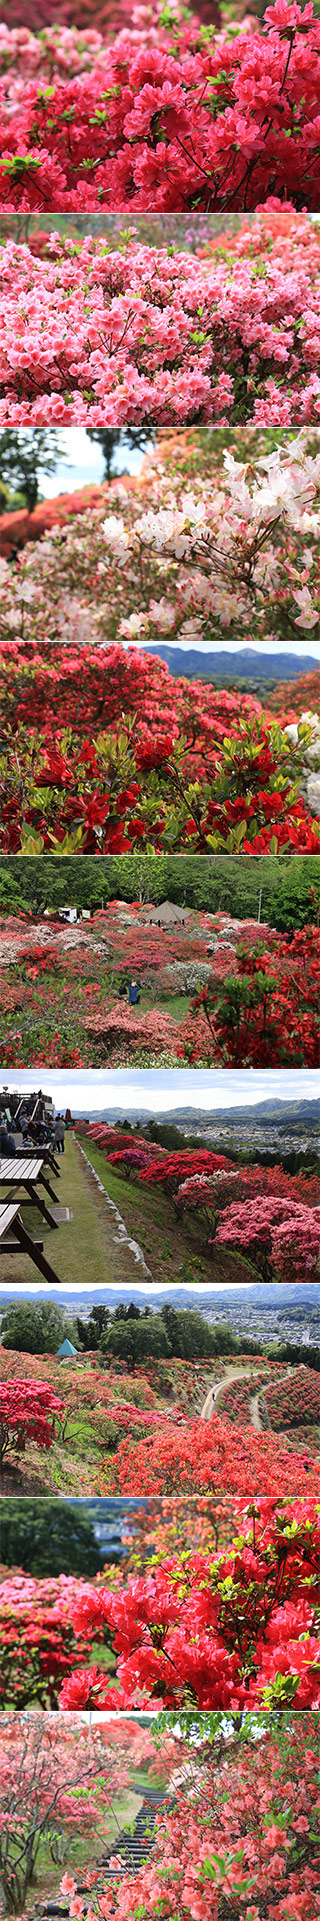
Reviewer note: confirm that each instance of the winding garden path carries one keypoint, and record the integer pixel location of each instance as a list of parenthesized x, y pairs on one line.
[(235, 1374), (231, 1374)]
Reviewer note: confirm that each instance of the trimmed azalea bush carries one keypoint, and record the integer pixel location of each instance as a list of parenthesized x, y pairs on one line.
[(281, 1235), (294, 1402), (170, 1457)]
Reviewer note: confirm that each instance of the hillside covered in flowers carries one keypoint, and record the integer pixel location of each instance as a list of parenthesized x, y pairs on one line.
[(211, 989), (223, 1425)]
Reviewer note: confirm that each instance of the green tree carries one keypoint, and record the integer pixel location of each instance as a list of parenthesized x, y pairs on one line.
[(191, 1337), (113, 446), (135, 1341), (24, 456), (286, 883), (48, 1537), (90, 1331), (35, 1328)]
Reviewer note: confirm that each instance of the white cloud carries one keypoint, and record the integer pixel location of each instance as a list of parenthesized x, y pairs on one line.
[(87, 1090)]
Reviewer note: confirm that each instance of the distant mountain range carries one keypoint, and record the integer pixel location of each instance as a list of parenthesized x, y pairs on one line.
[(201, 1298), (246, 665), (271, 1110)]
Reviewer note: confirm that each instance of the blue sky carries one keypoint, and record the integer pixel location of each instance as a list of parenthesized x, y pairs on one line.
[(87, 1089), (84, 462)]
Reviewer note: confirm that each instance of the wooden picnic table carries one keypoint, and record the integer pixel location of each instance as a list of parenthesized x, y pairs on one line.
[(11, 1241), (27, 1172), (47, 1155)]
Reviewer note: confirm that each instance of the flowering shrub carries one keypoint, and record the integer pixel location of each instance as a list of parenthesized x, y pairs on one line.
[(144, 337), (38, 1644), (207, 1650), (59, 1780), (97, 774), (27, 1411), (260, 1004), (242, 1829), (234, 1628), (168, 1457), (230, 537), (168, 1171), (206, 1185), (268, 1010), (281, 1236), (294, 1402), (187, 119)]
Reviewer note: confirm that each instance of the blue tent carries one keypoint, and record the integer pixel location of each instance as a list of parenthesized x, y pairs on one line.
[(67, 1349)]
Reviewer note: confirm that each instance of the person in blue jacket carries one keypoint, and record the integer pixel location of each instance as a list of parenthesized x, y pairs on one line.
[(134, 993), (7, 1141)]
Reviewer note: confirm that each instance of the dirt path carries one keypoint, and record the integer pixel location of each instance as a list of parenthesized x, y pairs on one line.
[(254, 1404), (233, 1374)]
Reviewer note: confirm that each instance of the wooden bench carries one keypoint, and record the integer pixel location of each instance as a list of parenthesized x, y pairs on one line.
[(27, 1173), (13, 1236)]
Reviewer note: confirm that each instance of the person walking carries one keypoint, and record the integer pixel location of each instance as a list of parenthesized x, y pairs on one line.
[(59, 1133)]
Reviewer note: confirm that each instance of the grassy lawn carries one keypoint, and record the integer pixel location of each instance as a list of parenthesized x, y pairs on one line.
[(82, 1251), (172, 1253), (67, 1468), (175, 1004)]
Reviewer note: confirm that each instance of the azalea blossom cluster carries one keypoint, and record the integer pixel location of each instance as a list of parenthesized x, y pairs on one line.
[(229, 1629), (230, 542), (236, 549), (145, 337), (183, 119), (240, 1838), (112, 755), (27, 1410), (38, 1645), (203, 1652), (281, 1236), (277, 983)]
